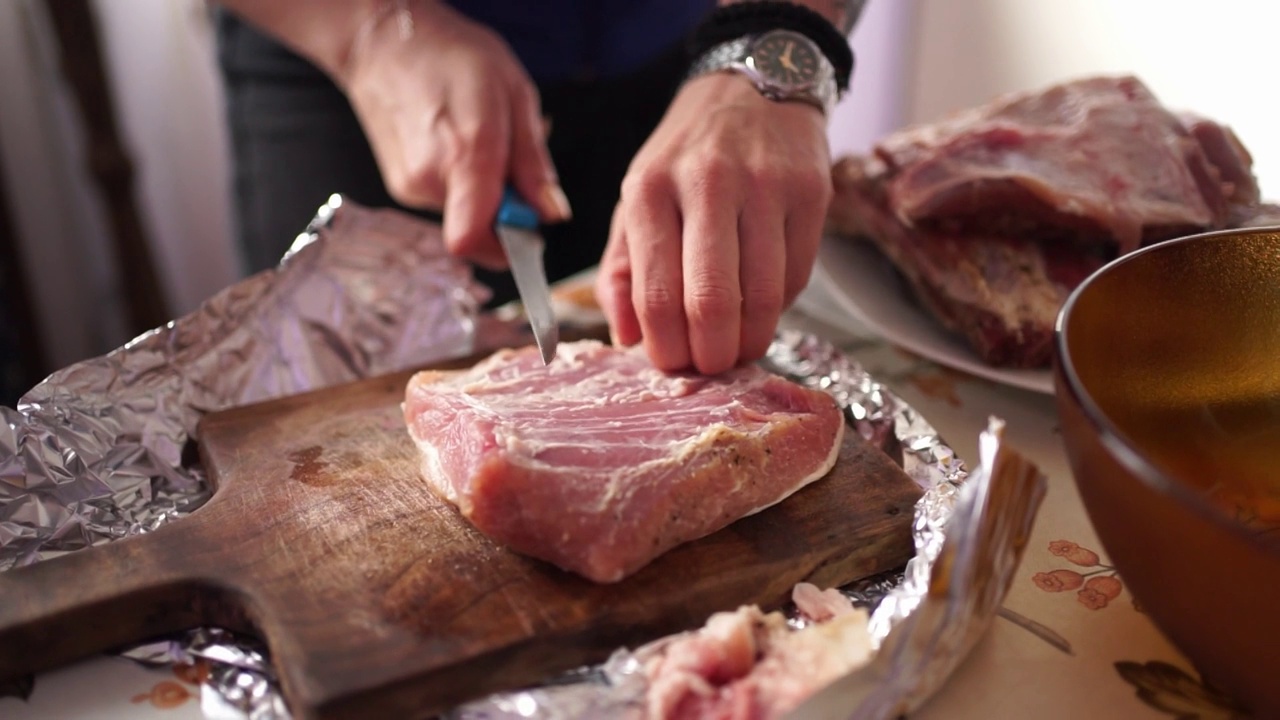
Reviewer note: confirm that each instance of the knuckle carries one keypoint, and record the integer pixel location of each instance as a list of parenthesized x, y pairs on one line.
[(770, 177), (415, 187), (762, 299), (478, 141), (712, 177), (711, 302), (656, 302), (644, 185), (814, 186)]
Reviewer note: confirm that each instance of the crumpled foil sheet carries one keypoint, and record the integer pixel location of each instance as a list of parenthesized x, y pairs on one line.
[(970, 539), (241, 684), (103, 450)]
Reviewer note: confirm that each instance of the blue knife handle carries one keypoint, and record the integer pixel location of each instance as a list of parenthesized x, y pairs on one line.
[(514, 212)]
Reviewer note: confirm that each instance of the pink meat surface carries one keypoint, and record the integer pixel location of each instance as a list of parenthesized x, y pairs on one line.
[(1001, 293), (820, 605), (748, 665), (995, 214), (1099, 155), (599, 463)]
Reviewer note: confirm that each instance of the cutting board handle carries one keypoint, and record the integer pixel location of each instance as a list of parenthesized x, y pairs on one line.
[(99, 599)]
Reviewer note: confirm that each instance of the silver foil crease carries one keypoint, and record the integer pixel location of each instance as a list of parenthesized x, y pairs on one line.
[(969, 540), (240, 682), (102, 449)]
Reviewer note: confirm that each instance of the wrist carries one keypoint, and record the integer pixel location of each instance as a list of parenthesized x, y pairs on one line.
[(714, 91), (738, 20), (321, 32), (377, 23), (784, 66), (384, 24)]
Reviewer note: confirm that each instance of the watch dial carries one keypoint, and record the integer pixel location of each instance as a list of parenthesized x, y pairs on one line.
[(786, 58)]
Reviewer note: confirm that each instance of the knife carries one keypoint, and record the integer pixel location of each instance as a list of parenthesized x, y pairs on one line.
[(517, 230)]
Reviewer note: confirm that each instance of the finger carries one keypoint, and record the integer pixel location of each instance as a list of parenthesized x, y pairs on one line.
[(712, 286), (475, 177), (763, 273), (652, 227), (613, 288), (804, 226), (531, 169)]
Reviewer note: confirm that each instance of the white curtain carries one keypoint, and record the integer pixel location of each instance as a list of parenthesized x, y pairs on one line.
[(159, 60)]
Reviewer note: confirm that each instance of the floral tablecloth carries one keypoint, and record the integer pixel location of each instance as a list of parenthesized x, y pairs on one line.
[(1070, 643)]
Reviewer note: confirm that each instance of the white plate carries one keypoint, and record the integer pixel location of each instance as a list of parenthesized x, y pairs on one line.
[(862, 283)]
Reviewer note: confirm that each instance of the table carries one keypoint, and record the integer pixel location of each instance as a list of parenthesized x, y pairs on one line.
[(1071, 643)]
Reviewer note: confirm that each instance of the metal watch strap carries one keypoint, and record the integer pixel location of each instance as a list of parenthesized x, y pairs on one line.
[(722, 56), (732, 55)]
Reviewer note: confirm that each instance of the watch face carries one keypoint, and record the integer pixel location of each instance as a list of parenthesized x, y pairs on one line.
[(786, 58)]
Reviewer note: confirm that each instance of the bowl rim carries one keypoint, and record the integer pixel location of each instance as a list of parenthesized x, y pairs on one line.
[(1116, 442)]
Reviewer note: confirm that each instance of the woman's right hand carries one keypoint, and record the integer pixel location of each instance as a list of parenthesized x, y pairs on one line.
[(452, 117)]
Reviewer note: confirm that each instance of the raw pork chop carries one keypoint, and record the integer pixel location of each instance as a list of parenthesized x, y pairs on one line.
[(600, 463)]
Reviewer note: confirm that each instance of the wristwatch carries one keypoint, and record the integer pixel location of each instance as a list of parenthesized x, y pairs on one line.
[(783, 65)]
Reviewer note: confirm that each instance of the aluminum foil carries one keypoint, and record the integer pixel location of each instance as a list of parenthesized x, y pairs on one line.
[(969, 541), (103, 450)]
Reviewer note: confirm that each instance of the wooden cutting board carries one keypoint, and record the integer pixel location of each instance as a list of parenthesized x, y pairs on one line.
[(378, 600)]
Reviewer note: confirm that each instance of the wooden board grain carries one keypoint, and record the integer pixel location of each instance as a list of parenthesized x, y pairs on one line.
[(378, 600)]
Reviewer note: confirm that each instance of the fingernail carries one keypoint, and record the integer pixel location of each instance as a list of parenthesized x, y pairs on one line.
[(555, 203)]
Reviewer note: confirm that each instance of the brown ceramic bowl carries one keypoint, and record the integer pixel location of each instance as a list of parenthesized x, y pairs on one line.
[(1168, 383)]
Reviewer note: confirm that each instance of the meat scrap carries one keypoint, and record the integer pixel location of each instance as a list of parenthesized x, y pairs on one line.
[(995, 214), (599, 463), (749, 665), (820, 605)]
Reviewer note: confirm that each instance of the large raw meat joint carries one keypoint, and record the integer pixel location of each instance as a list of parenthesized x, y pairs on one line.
[(995, 214), (599, 463)]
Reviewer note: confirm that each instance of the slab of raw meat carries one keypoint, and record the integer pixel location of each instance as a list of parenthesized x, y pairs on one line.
[(749, 665), (1099, 157), (599, 463), (1000, 293), (994, 215)]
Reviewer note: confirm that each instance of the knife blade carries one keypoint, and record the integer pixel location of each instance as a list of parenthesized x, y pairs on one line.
[(517, 230)]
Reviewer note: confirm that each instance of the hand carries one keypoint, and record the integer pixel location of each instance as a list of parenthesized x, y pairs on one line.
[(718, 226), (451, 116)]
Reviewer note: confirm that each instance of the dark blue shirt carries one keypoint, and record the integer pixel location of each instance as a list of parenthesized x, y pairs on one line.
[(583, 39)]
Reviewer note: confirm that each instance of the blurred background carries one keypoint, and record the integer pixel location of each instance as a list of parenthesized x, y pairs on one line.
[(114, 189)]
